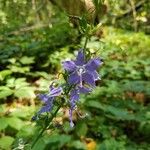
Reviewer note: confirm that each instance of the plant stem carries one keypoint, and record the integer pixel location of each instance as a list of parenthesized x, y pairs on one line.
[(84, 48), (40, 134)]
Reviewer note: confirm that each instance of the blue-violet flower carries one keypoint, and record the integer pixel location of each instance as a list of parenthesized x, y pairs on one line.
[(48, 99), (81, 71), (74, 97)]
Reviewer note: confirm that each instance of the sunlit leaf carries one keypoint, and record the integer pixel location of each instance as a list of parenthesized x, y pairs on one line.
[(25, 92), (15, 123), (5, 91), (27, 60), (5, 142), (3, 123)]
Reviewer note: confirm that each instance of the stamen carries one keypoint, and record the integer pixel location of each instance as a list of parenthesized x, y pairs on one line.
[(81, 70), (80, 81)]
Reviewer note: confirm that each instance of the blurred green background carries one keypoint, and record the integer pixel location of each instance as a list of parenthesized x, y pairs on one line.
[(36, 35)]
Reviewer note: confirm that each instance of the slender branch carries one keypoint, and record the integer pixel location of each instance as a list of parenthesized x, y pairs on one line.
[(128, 12), (24, 29), (29, 28), (134, 14), (75, 17), (42, 131)]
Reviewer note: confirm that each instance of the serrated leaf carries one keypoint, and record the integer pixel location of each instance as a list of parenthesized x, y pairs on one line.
[(120, 113), (23, 112), (40, 145), (15, 123), (19, 69), (83, 24), (26, 131), (112, 144), (56, 141), (3, 123), (10, 82), (6, 142), (81, 129), (2, 108), (27, 60), (77, 145), (61, 139), (94, 104), (20, 82), (5, 91), (4, 73), (25, 92)]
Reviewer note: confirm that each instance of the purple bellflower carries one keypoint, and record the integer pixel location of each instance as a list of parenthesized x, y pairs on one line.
[(48, 99), (81, 71), (74, 97), (83, 74)]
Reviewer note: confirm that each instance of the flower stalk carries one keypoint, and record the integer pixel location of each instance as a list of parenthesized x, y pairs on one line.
[(80, 76), (85, 44), (45, 128)]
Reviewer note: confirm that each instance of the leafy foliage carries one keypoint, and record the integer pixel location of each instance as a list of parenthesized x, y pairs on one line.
[(117, 113)]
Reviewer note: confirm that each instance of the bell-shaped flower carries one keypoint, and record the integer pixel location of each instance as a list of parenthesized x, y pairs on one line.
[(81, 71), (48, 99), (74, 97)]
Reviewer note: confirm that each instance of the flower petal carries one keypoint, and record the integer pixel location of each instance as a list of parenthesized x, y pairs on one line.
[(44, 109), (69, 65), (70, 117), (84, 90), (93, 64), (88, 78), (74, 78), (80, 58), (43, 97), (96, 75), (74, 95), (55, 92), (47, 107)]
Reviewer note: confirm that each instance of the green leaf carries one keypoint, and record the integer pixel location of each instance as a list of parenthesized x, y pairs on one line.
[(112, 144), (77, 145), (53, 141), (3, 123), (94, 104), (20, 82), (15, 123), (26, 131), (2, 109), (25, 92), (120, 113), (81, 129), (6, 142), (27, 60), (19, 69), (10, 82), (41, 74), (83, 24), (5, 91), (4, 73), (24, 112), (40, 145), (61, 139)]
